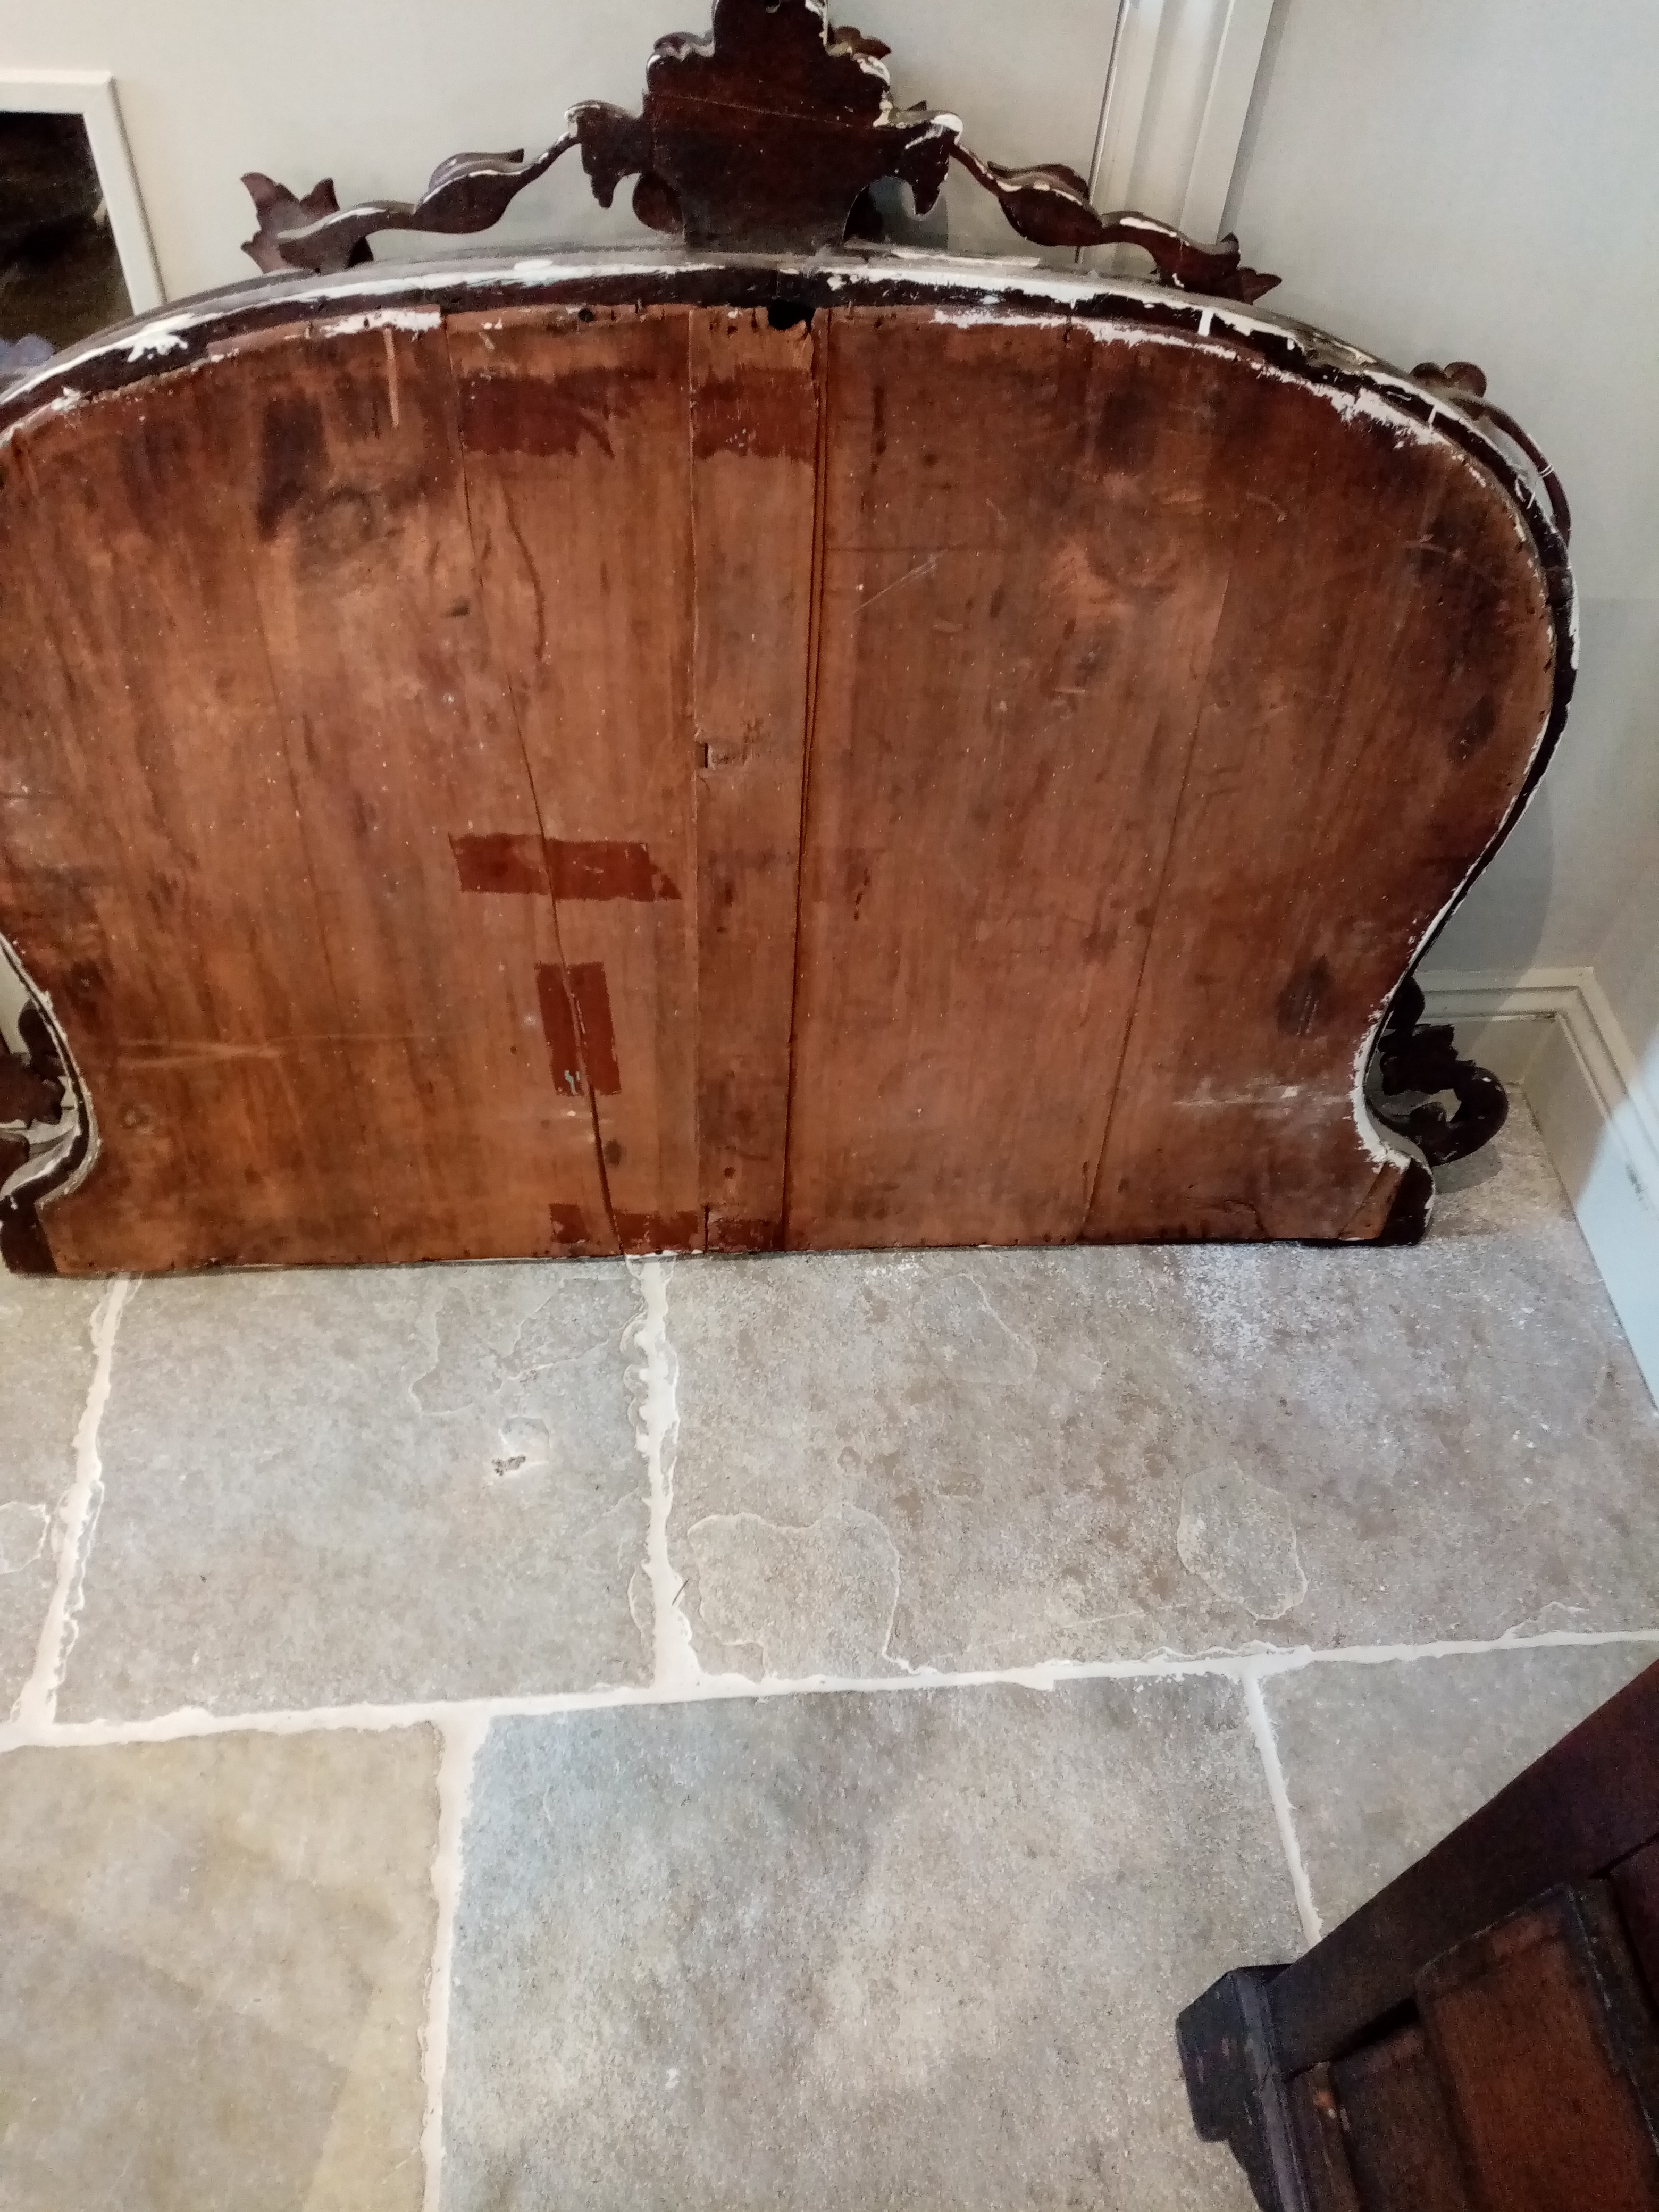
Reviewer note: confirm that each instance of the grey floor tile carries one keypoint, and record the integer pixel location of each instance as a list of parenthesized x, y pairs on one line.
[(983, 1459), (922, 1949), (213, 1958), (1381, 1761), (377, 1484), (45, 1328)]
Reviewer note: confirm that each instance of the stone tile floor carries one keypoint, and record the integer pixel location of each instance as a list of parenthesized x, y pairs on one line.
[(788, 1732)]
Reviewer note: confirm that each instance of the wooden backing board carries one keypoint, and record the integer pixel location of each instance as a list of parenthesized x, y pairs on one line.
[(1546, 2044), (1401, 2146), (557, 779)]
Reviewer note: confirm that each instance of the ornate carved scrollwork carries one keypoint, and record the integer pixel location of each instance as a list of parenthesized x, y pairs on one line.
[(1416, 1061), (766, 135)]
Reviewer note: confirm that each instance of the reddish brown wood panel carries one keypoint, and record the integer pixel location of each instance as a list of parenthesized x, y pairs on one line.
[(755, 420), (1381, 675), (1402, 2149), (153, 869), (387, 1020), (1022, 577), (402, 742), (576, 427), (1545, 2043), (1126, 653), (565, 778)]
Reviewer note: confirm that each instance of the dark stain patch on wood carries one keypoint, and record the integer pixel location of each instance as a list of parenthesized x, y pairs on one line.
[(581, 1043), (564, 1051), (592, 1001), (602, 870), (559, 868), (1303, 998), (502, 864), (528, 416), (658, 1232)]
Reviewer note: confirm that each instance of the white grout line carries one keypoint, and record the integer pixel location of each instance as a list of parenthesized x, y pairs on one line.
[(77, 1522), (1261, 1728), (193, 1721), (656, 1418), (461, 1737)]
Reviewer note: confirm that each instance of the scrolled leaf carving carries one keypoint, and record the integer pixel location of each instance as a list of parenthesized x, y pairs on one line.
[(764, 135)]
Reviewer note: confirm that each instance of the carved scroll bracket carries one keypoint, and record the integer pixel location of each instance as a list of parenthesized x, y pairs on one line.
[(1417, 1062), (766, 135)]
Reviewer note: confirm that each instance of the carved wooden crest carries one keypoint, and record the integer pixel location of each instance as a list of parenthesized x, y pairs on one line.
[(765, 135)]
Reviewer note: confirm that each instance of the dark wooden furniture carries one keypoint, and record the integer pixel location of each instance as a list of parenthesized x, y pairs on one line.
[(1482, 2036), (577, 755)]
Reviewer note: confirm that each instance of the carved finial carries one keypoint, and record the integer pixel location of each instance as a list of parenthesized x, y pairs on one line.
[(765, 135)]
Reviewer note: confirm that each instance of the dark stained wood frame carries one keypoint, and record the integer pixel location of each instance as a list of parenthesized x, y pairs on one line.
[(790, 291), (1588, 1809)]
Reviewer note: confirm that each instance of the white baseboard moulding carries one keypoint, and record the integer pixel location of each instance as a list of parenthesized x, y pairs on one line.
[(1552, 1034)]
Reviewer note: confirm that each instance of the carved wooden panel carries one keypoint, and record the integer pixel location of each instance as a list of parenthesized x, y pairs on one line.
[(499, 764)]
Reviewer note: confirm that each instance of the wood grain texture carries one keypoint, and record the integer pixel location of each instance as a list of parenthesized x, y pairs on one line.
[(155, 879), (1381, 677), (1401, 2147), (1018, 612), (576, 427), (755, 421), (1320, 2147), (402, 739), (562, 778), (1546, 2044)]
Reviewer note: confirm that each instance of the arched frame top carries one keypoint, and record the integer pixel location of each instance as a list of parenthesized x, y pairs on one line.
[(780, 301)]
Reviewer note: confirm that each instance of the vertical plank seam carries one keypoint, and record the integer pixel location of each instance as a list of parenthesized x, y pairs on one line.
[(809, 729), (530, 779), (1177, 813)]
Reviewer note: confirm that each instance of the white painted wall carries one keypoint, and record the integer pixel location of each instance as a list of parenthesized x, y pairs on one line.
[(1479, 179)]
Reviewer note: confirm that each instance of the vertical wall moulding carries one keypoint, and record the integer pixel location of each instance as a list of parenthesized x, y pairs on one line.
[(1175, 102)]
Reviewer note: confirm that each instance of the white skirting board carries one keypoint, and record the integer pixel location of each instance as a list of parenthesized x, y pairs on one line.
[(1552, 1034)]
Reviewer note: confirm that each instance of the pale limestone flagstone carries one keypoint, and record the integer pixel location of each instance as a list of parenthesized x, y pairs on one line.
[(1381, 1761), (913, 1949), (1119, 1451), (365, 1485), (213, 1963)]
